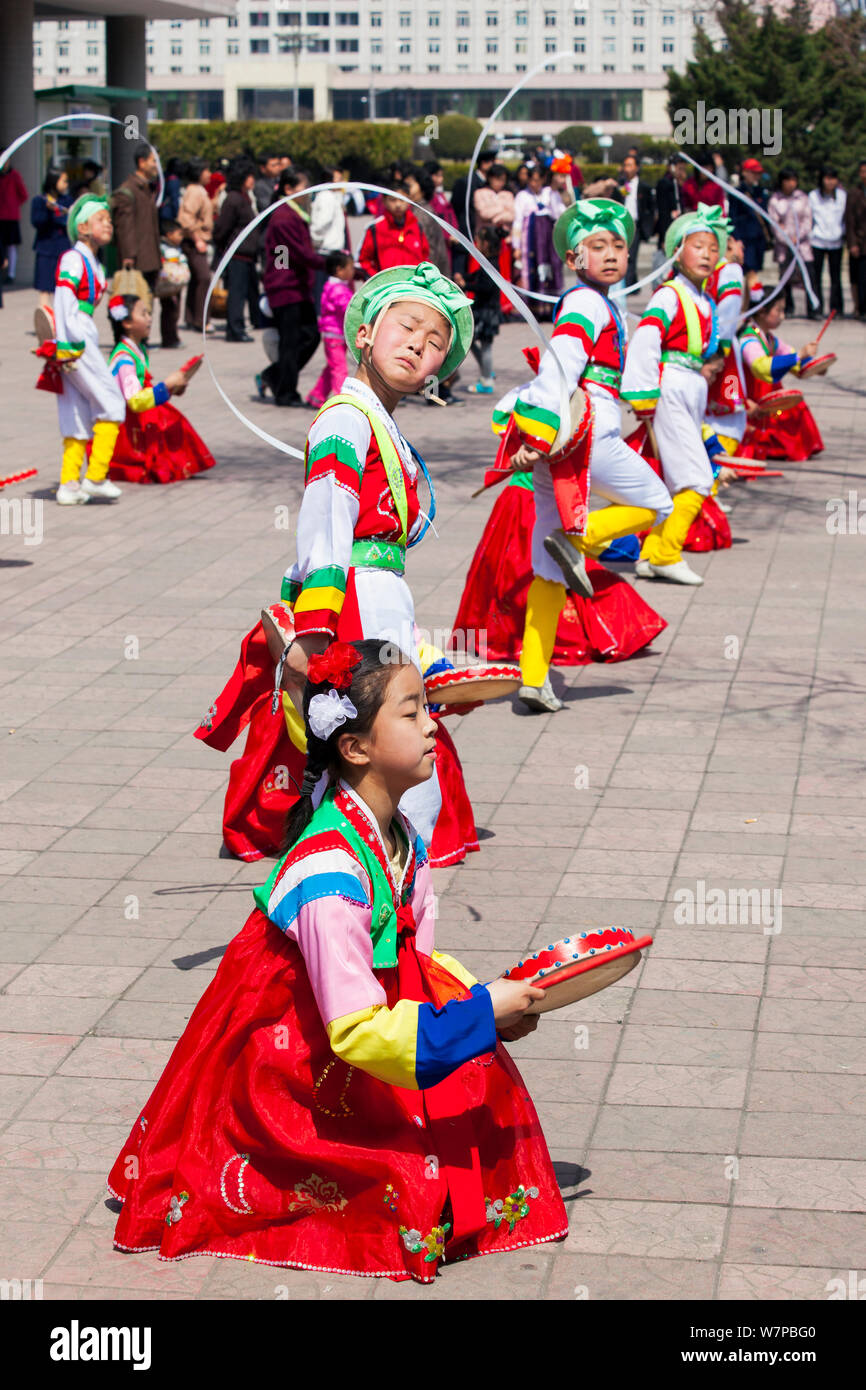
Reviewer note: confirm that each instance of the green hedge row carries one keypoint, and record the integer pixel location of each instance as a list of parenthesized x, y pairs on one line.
[(363, 148)]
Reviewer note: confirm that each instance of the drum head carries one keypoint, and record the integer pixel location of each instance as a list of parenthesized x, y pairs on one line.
[(471, 684), (573, 982), (571, 433), (818, 366), (777, 401), (279, 628)]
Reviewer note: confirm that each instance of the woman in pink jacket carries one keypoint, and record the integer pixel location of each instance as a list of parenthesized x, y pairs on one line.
[(494, 205)]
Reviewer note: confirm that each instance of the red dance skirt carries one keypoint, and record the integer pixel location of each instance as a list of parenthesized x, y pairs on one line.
[(158, 446), (265, 781), (258, 1143), (611, 626), (710, 529), (792, 435)]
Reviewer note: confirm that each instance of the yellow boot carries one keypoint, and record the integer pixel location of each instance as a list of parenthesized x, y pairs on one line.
[(610, 524), (69, 491), (662, 551), (545, 601), (97, 482)]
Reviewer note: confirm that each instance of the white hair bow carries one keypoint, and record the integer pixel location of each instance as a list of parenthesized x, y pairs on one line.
[(327, 712)]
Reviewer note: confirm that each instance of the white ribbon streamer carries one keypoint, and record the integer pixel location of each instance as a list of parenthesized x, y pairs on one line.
[(756, 207), (510, 291), (80, 116)]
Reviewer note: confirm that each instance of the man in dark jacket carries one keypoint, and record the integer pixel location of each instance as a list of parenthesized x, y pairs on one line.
[(669, 201), (486, 158), (290, 262), (136, 218), (239, 276), (640, 202), (855, 235), (746, 225)]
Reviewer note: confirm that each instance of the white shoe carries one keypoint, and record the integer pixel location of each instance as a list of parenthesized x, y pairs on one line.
[(540, 698), (643, 569), (679, 573), (70, 493), (106, 489), (723, 506)]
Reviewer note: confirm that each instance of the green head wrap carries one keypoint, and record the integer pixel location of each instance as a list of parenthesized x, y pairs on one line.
[(82, 210), (590, 215), (705, 219), (423, 284)]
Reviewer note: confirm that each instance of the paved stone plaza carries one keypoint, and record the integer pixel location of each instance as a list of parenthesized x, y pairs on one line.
[(706, 1116)]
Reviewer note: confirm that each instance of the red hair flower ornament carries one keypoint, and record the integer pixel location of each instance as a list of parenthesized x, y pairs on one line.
[(328, 711)]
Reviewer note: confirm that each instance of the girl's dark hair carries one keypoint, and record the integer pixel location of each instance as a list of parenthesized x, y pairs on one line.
[(238, 172), (432, 166), (787, 173), (380, 662), (425, 182), (829, 171), (487, 238), (335, 259), (195, 168), (130, 301), (52, 175), (497, 171), (289, 179)]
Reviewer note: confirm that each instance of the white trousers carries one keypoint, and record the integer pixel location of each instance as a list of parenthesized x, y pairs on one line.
[(90, 392), (678, 423), (617, 476)]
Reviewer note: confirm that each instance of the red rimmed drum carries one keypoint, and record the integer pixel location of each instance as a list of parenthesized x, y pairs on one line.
[(580, 965), (470, 685)]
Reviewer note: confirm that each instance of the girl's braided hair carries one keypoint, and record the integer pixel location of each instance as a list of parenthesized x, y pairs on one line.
[(380, 661)]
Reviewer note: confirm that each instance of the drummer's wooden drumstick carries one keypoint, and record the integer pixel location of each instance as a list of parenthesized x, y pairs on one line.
[(827, 322), (651, 436)]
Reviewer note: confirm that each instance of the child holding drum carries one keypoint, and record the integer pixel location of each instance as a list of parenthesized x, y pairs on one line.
[(340, 1099), (789, 431)]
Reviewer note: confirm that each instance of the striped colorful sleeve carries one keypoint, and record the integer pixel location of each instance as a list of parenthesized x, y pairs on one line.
[(641, 378), (766, 368), (416, 1045), (70, 269), (729, 304), (538, 405), (337, 451)]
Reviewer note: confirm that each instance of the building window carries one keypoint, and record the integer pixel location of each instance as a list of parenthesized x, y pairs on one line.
[(492, 47), (376, 20), (348, 19), (699, 20), (176, 24), (580, 21), (404, 67), (434, 47), (609, 46), (520, 67), (638, 46), (176, 50), (63, 50), (347, 45), (608, 67), (259, 19), (204, 48), (37, 49), (638, 19), (492, 20), (550, 19), (93, 50), (93, 70), (319, 17), (149, 50), (580, 67), (173, 68), (462, 67), (638, 67), (232, 47), (405, 19), (404, 47), (352, 67), (375, 67), (204, 24), (63, 24), (93, 23), (667, 67), (289, 19), (580, 45), (202, 67), (260, 45), (462, 19), (668, 46), (375, 47), (550, 45), (433, 67), (521, 19), (491, 67), (433, 21), (667, 19), (520, 45), (609, 19), (233, 21), (318, 45), (462, 46)]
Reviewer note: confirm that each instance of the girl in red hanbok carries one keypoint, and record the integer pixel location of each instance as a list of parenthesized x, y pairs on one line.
[(793, 433), (156, 444), (611, 626), (340, 1099)]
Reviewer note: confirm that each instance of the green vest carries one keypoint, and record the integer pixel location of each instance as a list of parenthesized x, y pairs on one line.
[(329, 820)]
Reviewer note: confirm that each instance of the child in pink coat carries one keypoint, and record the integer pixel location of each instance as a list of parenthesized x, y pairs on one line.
[(336, 293)]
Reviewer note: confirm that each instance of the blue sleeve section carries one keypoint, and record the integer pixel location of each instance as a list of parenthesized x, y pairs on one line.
[(452, 1035), (782, 363), (284, 912), (161, 393), (713, 447)]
